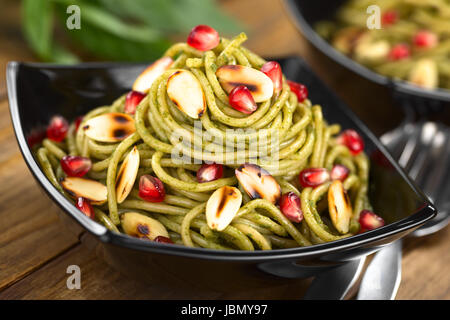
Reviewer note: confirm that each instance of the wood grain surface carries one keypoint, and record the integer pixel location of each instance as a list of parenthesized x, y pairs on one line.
[(35, 248)]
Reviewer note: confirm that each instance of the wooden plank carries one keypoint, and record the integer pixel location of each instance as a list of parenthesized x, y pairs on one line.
[(30, 234), (99, 281), (425, 268)]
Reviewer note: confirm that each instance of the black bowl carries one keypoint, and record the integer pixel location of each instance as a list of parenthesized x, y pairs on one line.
[(307, 13), (39, 91)]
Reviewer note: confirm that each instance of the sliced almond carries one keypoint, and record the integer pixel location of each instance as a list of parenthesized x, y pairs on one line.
[(222, 207), (346, 39), (127, 175), (91, 190), (138, 225), (145, 80), (339, 207), (259, 84), (109, 127), (258, 183), (425, 74), (184, 89), (372, 52)]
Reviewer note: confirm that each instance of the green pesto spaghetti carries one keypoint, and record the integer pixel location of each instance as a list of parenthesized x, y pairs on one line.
[(401, 39), (213, 148)]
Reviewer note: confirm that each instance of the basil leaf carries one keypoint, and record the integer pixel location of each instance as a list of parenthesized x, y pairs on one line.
[(37, 26), (109, 46)]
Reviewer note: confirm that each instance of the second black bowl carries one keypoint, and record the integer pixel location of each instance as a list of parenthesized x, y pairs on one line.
[(307, 13)]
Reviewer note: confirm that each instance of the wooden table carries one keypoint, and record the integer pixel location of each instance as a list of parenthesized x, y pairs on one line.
[(35, 250)]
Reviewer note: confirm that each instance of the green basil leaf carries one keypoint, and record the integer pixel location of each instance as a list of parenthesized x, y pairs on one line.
[(109, 46), (37, 16)]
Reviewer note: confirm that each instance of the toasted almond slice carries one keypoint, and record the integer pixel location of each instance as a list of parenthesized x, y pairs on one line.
[(346, 38), (145, 80), (127, 175), (91, 190), (259, 84), (425, 74), (184, 89), (138, 225), (339, 207), (258, 183), (222, 207), (109, 127), (372, 51)]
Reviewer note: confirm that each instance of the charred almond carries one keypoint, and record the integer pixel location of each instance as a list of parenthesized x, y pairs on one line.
[(259, 84), (109, 127), (425, 74), (127, 175), (145, 80), (222, 207), (339, 207), (138, 225), (184, 89), (93, 191), (258, 183)]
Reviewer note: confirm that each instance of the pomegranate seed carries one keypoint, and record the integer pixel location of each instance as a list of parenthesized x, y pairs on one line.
[(339, 172), (313, 177), (209, 172), (151, 189), (84, 206), (299, 89), (290, 207), (132, 100), (399, 51), (78, 122), (389, 17), (369, 221), (162, 239), (203, 38), (57, 129), (380, 159), (425, 39), (242, 100), (76, 166), (352, 140), (36, 136), (272, 69)]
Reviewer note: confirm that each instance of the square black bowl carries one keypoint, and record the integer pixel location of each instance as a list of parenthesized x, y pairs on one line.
[(39, 91)]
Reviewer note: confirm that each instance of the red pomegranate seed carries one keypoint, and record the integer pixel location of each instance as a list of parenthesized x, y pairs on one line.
[(78, 122), (36, 136), (299, 89), (339, 172), (151, 189), (242, 100), (352, 140), (425, 39), (399, 51), (203, 38), (290, 207), (76, 166), (209, 172), (84, 206), (132, 100), (57, 129), (313, 177), (369, 221), (389, 17), (272, 69), (162, 239)]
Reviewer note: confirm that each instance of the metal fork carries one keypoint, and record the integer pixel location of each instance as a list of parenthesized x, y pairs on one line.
[(423, 150)]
